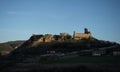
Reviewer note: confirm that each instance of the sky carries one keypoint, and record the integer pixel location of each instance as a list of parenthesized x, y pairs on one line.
[(19, 19)]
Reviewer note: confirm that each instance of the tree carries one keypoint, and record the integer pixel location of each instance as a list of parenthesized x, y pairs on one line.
[(67, 37)]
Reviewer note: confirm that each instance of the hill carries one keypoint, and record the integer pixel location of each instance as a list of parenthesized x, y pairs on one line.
[(5, 47), (63, 55), (16, 43), (10, 46)]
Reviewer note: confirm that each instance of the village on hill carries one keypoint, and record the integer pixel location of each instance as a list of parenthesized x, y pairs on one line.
[(39, 52), (92, 46), (63, 36)]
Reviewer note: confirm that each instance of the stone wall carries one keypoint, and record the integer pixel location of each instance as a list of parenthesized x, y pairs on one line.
[(78, 36)]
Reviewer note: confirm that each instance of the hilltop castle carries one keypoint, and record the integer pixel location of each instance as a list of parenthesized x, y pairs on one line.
[(78, 36), (61, 37)]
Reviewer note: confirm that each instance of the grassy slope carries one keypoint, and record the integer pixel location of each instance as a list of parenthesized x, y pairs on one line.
[(5, 47), (9, 46)]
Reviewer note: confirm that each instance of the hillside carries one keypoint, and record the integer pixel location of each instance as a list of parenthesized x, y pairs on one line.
[(76, 55), (10, 46), (16, 43), (63, 55), (69, 45)]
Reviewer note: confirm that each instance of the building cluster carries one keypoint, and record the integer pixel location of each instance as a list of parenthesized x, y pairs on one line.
[(62, 36)]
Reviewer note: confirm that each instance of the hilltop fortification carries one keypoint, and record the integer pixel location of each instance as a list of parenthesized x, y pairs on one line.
[(62, 36), (86, 34)]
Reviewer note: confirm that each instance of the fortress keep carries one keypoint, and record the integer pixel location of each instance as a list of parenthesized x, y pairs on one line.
[(78, 36)]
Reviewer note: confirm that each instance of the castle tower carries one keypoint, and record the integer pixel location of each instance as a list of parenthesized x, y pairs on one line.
[(86, 31), (74, 34)]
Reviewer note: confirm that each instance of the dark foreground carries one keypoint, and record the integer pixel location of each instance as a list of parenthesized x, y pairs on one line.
[(62, 65), (82, 67)]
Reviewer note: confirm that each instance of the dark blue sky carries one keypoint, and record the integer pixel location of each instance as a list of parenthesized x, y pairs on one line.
[(19, 19)]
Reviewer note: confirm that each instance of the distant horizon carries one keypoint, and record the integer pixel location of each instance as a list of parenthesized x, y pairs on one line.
[(19, 19)]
